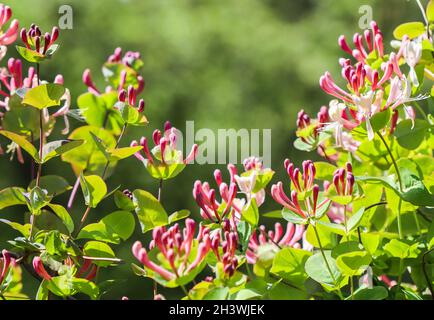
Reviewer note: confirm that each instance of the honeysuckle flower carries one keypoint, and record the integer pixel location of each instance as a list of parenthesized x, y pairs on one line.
[(302, 184), (274, 240), (39, 268), (343, 180), (5, 263), (253, 181), (228, 243), (9, 34), (34, 41), (205, 197), (387, 281), (88, 270), (164, 160), (128, 60), (175, 250), (412, 53), (130, 97), (63, 110), (373, 42)]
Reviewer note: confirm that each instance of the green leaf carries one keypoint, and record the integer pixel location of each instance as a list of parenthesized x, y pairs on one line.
[(36, 199), (324, 170), (413, 189), (411, 138), (293, 217), (94, 189), (123, 202), (355, 219), (244, 230), (411, 29), (115, 226), (30, 55), (317, 269), (353, 263), (88, 156), (430, 11), (398, 249), (149, 211), (370, 242), (123, 153), (56, 148), (85, 286), (43, 292), (12, 196), (63, 215), (23, 143), (327, 237), (178, 215), (277, 214), (23, 229), (54, 185), (217, 294), (374, 293), (289, 265), (251, 213), (44, 96), (97, 249)]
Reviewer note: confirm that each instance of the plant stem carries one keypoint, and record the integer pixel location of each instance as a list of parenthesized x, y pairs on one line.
[(185, 292), (326, 262), (399, 180), (155, 286), (401, 265), (103, 176), (117, 145), (425, 273), (345, 222)]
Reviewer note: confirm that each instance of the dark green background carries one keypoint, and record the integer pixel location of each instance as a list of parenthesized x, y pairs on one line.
[(223, 64)]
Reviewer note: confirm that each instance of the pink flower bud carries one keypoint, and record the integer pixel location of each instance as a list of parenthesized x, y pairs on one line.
[(54, 34), (122, 95), (39, 268), (141, 107)]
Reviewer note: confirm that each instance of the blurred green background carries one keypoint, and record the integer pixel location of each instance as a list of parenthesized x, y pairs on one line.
[(224, 64)]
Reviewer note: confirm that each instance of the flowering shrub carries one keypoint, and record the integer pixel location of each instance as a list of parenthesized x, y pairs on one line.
[(357, 225)]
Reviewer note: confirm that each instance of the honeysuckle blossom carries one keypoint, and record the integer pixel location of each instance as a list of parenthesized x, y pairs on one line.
[(9, 34), (130, 97), (39, 268), (128, 60), (33, 39), (301, 183), (412, 53), (343, 180), (228, 243), (5, 263), (176, 247), (253, 170), (88, 270), (373, 41), (205, 197), (165, 153), (276, 239)]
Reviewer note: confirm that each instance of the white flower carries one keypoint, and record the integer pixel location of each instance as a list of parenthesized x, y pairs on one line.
[(337, 122), (412, 53)]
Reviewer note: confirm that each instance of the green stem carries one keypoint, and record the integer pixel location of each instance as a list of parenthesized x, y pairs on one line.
[(117, 145), (185, 292), (399, 180), (401, 265), (425, 273), (345, 222), (420, 110), (326, 262)]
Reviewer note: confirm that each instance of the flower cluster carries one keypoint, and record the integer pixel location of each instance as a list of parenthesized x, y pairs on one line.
[(210, 207), (277, 239), (130, 64), (164, 160), (229, 244), (180, 252), (9, 34), (33, 39)]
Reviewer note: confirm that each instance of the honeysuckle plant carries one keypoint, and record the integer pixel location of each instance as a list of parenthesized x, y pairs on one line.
[(357, 224)]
